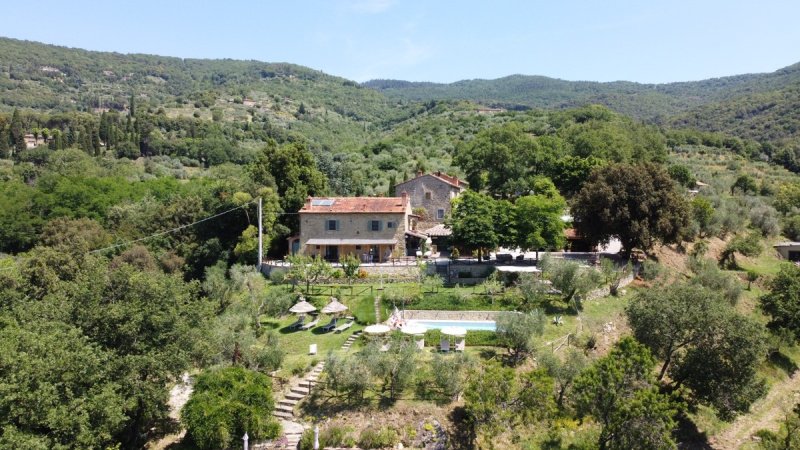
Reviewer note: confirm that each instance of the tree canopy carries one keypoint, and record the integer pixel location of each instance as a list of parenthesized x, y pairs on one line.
[(638, 204)]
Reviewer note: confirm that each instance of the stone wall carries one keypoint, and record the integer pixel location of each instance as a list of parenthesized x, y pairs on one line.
[(353, 226), (419, 314), (440, 195)]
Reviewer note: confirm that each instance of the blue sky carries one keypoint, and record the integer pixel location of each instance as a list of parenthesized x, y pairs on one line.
[(437, 40)]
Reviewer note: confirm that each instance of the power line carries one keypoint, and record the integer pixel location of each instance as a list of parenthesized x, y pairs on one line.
[(162, 233)]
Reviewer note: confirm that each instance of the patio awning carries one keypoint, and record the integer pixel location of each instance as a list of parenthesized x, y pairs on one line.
[(416, 234), (333, 241)]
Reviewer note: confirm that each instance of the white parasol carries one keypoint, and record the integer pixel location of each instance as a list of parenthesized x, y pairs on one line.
[(377, 329), (454, 331), (413, 328)]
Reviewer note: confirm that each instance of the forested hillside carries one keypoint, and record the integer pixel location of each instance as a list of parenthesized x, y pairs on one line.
[(128, 192), (644, 101)]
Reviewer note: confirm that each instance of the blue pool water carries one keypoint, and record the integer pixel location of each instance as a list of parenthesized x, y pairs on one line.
[(484, 325)]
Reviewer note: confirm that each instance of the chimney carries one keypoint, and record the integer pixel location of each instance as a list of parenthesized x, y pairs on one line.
[(404, 196), (419, 173), (308, 202)]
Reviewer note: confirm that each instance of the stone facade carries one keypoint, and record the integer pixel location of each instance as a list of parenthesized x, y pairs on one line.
[(369, 235), (433, 192)]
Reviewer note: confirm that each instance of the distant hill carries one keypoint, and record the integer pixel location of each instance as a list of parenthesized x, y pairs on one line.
[(340, 116), (49, 77), (644, 101)]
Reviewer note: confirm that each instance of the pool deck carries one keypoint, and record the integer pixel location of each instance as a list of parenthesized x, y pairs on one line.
[(418, 314)]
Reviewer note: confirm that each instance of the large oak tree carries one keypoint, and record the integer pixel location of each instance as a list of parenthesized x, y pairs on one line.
[(638, 204)]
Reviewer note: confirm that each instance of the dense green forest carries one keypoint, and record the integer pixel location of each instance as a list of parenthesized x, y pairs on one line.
[(644, 101), (128, 186)]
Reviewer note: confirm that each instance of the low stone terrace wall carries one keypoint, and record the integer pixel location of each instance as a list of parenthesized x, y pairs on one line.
[(419, 314)]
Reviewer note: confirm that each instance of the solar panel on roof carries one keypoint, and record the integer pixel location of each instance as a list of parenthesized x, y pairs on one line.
[(322, 202)]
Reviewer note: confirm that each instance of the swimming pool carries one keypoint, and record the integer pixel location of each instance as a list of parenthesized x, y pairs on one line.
[(483, 325)]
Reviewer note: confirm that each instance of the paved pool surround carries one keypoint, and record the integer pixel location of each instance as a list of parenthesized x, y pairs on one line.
[(419, 314)]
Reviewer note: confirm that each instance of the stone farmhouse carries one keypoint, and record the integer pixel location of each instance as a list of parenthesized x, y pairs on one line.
[(433, 193), (374, 229)]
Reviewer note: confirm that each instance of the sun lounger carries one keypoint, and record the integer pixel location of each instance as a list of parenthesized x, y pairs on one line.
[(461, 344), (330, 326), (300, 321), (344, 326), (310, 325), (444, 345)]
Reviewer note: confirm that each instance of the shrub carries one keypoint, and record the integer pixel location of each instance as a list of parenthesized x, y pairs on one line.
[(331, 436), (791, 228), (362, 274), (765, 219), (226, 403), (650, 270), (378, 438)]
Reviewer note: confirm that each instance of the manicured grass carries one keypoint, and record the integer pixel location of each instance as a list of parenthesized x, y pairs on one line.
[(296, 342)]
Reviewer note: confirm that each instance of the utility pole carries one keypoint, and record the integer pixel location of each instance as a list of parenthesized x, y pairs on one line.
[(260, 236)]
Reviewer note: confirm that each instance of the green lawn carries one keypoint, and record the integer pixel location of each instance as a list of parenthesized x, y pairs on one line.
[(296, 342)]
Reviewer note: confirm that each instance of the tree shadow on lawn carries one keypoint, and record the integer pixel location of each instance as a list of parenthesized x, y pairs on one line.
[(783, 362), (319, 405), (463, 437), (688, 436)]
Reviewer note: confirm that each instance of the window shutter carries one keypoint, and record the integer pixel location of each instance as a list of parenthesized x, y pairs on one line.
[(337, 225)]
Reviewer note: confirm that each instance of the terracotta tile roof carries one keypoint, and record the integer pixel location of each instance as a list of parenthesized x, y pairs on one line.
[(355, 205), (571, 234), (451, 180), (438, 230)]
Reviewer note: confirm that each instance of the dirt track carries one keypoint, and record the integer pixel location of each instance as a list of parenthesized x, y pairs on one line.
[(766, 413)]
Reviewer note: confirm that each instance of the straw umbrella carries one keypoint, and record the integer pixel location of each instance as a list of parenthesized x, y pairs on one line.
[(302, 307), (334, 307)]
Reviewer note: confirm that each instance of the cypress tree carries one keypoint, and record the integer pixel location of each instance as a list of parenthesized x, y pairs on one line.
[(17, 132), (5, 138)]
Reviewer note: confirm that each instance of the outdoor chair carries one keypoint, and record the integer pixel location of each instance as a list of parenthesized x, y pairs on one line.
[(444, 345), (330, 326), (461, 344), (311, 324), (344, 326)]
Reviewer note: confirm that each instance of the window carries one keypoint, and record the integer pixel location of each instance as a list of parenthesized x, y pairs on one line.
[(332, 225), (375, 225), (358, 247), (389, 224), (427, 196), (440, 213)]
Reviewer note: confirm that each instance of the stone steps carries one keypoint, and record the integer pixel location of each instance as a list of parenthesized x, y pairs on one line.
[(293, 396), (300, 390)]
